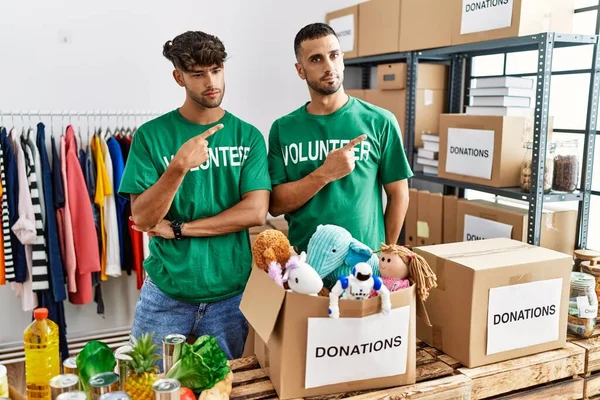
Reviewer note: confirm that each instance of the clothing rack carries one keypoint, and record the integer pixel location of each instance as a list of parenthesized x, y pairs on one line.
[(98, 119)]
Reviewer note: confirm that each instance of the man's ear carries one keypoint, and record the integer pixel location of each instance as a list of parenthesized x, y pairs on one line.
[(300, 71), (178, 76)]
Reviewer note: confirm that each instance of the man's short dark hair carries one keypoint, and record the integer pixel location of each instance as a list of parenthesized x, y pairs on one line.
[(311, 32), (195, 48)]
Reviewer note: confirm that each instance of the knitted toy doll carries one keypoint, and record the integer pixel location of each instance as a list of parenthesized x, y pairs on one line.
[(333, 252), (398, 265)]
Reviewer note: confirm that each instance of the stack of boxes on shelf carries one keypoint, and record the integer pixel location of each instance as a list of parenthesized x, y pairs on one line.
[(435, 219), (502, 96), (388, 26)]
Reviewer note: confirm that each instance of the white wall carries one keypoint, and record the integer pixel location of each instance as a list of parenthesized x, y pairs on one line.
[(112, 60)]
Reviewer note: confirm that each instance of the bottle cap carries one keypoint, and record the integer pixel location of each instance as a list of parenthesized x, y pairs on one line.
[(40, 313)]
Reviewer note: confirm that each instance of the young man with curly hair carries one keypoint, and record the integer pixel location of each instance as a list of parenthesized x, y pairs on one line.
[(198, 179), (331, 159)]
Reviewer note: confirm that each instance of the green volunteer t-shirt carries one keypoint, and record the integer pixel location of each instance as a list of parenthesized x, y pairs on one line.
[(299, 143), (199, 270)]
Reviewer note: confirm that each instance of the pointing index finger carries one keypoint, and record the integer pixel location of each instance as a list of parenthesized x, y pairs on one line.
[(354, 142), (209, 132)]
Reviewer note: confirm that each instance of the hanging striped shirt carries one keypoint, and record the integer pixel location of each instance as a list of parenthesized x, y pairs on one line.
[(39, 270), (8, 254)]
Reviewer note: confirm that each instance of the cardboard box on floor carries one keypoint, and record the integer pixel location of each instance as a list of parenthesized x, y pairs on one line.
[(496, 300), (345, 23), (480, 219), (304, 351), (430, 218), (388, 26), (486, 150), (473, 23)]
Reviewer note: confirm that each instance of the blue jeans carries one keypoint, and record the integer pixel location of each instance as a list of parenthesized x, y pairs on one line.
[(156, 312)]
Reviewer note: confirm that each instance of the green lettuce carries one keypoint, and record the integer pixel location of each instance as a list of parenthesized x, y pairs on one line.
[(95, 358), (201, 365)]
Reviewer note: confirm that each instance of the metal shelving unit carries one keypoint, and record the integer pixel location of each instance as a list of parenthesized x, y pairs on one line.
[(459, 58)]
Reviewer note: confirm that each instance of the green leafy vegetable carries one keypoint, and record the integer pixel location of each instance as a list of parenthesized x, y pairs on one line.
[(95, 358), (201, 365)]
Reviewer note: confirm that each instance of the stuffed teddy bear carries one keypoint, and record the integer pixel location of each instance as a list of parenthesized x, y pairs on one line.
[(399, 265), (333, 252), (271, 246)]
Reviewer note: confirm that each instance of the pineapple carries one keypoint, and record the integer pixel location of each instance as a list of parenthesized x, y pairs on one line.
[(142, 369)]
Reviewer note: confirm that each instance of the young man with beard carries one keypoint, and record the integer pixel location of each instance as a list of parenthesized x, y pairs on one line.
[(198, 179), (331, 159)]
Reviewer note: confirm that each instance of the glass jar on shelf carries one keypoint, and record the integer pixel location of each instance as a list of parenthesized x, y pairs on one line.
[(583, 305), (566, 167), (527, 167)]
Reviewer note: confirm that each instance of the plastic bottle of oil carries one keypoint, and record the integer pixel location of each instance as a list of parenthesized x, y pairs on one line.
[(41, 355)]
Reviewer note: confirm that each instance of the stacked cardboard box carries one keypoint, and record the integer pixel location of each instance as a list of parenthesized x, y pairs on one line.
[(480, 20), (431, 95), (486, 150), (430, 218), (481, 219), (389, 26)]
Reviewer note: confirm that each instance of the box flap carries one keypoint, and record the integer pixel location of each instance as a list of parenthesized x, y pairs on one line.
[(485, 254), (422, 311), (261, 303)]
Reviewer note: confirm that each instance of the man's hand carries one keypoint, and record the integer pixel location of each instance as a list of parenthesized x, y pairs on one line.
[(162, 229), (340, 162), (194, 152)]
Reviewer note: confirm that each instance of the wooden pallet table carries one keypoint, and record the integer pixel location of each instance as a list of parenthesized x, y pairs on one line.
[(435, 380), (549, 375), (592, 364)]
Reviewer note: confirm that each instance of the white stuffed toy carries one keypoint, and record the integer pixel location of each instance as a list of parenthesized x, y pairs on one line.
[(358, 286), (301, 277)]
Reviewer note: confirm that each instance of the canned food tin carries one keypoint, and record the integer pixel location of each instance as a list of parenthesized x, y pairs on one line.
[(166, 389), (172, 345), (105, 382), (76, 395), (122, 360), (70, 366), (115, 396), (62, 384)]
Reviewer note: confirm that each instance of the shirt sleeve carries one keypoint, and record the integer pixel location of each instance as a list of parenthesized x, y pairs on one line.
[(276, 164), (140, 172), (394, 165), (255, 169)]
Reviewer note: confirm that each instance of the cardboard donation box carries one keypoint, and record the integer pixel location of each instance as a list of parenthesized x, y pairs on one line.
[(431, 98), (425, 24), (487, 150), (480, 20), (389, 26), (480, 219), (345, 24), (306, 353), (496, 300), (430, 218)]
